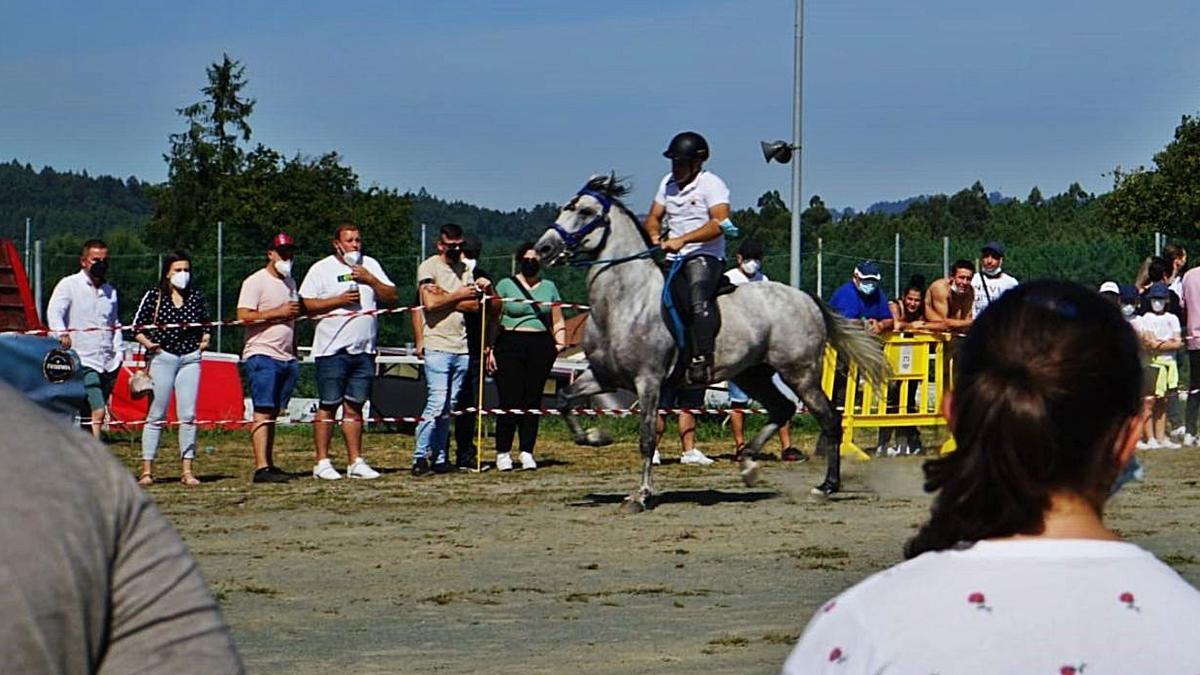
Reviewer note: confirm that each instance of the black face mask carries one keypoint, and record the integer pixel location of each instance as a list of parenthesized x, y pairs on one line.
[(99, 270), (530, 268), (453, 254)]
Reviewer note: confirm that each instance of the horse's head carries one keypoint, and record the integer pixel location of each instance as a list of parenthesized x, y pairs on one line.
[(583, 225)]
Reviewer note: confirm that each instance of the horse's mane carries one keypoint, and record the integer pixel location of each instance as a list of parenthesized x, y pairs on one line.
[(614, 188)]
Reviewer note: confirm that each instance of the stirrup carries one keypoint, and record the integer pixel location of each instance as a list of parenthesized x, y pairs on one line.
[(699, 371)]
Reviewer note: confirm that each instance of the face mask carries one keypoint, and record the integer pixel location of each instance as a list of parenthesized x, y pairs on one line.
[(866, 287), (352, 258), (454, 254), (1128, 310), (530, 268), (751, 267), (1158, 306), (994, 273), (470, 263), (99, 270), (180, 279), (284, 267)]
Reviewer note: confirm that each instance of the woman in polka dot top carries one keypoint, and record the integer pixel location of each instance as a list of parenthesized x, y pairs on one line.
[(174, 357)]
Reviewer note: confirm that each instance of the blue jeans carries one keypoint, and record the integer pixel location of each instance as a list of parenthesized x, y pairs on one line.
[(181, 374), (444, 374), (344, 376), (271, 382)]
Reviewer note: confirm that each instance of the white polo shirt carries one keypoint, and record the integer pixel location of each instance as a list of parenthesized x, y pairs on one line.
[(330, 277), (77, 303), (687, 210)]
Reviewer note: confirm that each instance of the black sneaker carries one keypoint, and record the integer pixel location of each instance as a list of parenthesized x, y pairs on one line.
[(421, 468), (793, 454), (442, 467), (825, 489), (270, 474)]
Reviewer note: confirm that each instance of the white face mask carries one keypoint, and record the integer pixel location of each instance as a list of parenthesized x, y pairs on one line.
[(470, 263), (180, 280), (352, 258), (1158, 306), (992, 273), (751, 267), (284, 267), (1128, 310), (866, 287)]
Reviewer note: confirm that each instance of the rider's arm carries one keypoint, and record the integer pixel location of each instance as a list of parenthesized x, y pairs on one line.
[(653, 224), (710, 230)]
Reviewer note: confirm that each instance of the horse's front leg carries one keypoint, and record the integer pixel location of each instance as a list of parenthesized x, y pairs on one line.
[(584, 386), (639, 499)]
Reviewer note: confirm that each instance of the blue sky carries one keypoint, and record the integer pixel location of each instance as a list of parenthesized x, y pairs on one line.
[(508, 104)]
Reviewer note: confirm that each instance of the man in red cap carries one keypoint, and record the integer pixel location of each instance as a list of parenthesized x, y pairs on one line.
[(269, 355)]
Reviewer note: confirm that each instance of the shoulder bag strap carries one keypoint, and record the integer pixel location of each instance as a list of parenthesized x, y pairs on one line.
[(537, 305)]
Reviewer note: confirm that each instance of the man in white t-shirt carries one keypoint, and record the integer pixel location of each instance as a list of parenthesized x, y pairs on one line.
[(991, 281), (269, 355), (695, 204), (342, 286)]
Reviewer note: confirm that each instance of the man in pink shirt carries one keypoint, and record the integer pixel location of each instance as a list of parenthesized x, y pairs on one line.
[(269, 355), (1189, 297)]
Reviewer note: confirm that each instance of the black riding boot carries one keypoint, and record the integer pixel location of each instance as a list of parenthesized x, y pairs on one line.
[(703, 273)]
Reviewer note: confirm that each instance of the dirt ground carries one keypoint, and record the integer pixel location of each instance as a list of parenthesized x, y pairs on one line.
[(540, 572)]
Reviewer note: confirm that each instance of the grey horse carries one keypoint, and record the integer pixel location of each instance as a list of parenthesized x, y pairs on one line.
[(765, 328)]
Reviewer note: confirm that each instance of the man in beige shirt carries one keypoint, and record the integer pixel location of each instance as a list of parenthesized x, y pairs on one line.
[(447, 288)]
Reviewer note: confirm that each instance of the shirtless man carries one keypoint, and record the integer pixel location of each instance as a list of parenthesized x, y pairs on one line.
[(949, 301)]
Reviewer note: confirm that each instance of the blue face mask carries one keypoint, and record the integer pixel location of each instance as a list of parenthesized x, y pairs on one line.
[(866, 287)]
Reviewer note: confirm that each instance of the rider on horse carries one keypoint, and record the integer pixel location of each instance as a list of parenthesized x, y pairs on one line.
[(695, 203)]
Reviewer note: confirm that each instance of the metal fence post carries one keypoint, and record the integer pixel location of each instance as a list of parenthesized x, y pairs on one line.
[(1158, 244), (220, 273), (820, 265), (27, 261), (37, 279), (897, 265), (946, 256)]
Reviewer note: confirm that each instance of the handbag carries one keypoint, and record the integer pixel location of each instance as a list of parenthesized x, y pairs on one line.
[(140, 382)]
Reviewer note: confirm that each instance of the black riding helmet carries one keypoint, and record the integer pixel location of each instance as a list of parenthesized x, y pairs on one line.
[(687, 145)]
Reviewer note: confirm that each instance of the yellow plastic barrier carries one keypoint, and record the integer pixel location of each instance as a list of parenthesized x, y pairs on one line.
[(918, 360)]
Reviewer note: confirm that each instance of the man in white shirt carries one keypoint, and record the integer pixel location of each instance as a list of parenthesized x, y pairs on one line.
[(342, 286), (991, 282), (695, 204), (82, 312)]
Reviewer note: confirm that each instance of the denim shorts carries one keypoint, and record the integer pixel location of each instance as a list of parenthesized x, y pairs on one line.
[(344, 376), (98, 386), (271, 381)]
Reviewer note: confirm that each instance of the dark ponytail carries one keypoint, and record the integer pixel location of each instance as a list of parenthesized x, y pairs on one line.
[(1045, 381)]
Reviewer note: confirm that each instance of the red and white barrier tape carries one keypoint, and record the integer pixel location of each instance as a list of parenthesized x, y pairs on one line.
[(490, 412), (315, 317)]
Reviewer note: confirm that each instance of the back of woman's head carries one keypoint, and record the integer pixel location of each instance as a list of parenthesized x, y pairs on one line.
[(1045, 382)]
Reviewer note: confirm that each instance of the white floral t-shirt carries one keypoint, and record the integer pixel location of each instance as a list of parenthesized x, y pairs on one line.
[(1030, 606)]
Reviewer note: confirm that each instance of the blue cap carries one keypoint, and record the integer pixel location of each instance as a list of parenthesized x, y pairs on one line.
[(1158, 290), (993, 246), (1129, 292), (867, 270)]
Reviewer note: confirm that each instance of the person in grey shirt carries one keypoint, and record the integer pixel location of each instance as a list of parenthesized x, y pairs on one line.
[(93, 579)]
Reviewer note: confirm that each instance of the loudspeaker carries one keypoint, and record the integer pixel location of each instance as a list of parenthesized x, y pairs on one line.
[(780, 151)]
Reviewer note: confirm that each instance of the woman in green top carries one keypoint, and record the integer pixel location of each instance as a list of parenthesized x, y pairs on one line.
[(531, 336)]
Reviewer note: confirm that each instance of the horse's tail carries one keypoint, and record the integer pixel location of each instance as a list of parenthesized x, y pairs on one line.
[(852, 341)]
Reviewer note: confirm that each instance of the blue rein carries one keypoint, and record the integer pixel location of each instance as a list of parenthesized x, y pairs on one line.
[(572, 240)]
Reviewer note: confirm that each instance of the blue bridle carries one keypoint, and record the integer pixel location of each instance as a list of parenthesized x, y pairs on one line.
[(572, 240)]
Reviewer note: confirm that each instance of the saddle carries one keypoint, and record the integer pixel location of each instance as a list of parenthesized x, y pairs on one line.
[(677, 315)]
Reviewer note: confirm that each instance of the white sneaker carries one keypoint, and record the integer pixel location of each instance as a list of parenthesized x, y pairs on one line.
[(1190, 441), (656, 459), (1152, 444), (360, 469), (1142, 445), (527, 462), (504, 461), (325, 471), (694, 457), (1168, 444), (1178, 431)]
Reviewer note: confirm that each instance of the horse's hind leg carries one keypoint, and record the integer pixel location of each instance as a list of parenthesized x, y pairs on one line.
[(584, 386), (808, 387), (759, 384)]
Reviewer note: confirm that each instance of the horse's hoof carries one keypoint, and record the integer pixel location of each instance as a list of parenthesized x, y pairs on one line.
[(632, 505), (597, 437), (750, 473)]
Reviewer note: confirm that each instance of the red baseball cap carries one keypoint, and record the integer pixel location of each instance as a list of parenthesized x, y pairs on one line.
[(281, 241)]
